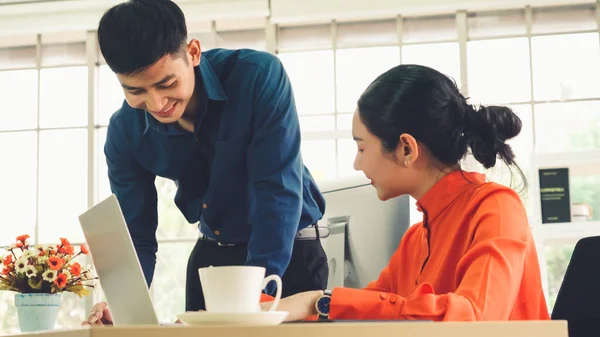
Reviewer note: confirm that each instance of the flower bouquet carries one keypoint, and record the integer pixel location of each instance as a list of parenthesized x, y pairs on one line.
[(38, 274)]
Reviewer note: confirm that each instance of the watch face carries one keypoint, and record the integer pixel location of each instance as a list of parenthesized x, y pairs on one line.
[(323, 305)]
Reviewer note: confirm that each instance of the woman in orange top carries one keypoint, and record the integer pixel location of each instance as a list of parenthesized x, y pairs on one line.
[(473, 256)]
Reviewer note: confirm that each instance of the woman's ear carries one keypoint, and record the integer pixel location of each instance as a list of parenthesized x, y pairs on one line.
[(407, 151)]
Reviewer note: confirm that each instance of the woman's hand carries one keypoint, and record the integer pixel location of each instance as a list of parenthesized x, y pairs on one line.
[(100, 315), (300, 306)]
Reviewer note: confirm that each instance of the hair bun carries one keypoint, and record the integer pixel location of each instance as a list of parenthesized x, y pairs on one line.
[(486, 132)]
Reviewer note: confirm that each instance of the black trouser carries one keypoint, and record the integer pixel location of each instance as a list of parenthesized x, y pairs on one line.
[(307, 270)]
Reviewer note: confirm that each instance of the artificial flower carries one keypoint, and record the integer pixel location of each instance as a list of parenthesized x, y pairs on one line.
[(61, 281), (49, 275), (55, 262)]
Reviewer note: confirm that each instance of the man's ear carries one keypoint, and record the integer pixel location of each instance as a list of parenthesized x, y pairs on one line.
[(194, 51)]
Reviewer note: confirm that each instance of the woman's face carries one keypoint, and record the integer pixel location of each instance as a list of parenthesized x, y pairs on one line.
[(387, 171)]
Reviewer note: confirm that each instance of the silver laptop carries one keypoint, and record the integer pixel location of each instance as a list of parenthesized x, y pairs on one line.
[(117, 266)]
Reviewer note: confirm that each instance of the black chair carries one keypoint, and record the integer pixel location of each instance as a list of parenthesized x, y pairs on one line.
[(578, 299)]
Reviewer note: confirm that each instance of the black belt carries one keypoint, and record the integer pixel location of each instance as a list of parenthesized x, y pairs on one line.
[(311, 232)]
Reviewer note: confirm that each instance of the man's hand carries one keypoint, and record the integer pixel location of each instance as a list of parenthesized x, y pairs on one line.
[(100, 315)]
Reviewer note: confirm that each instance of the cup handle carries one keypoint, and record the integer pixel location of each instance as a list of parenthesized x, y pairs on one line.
[(277, 280)]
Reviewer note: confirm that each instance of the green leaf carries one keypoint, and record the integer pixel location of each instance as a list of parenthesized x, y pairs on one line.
[(35, 283)]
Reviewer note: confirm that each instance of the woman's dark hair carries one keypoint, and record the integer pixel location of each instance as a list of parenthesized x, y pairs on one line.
[(135, 34), (428, 105)]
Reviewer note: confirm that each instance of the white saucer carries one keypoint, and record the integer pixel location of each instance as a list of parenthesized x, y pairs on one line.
[(222, 318)]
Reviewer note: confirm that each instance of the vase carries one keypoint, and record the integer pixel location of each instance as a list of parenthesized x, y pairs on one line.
[(37, 312)]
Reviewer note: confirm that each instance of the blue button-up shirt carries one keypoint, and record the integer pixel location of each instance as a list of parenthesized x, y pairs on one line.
[(240, 174)]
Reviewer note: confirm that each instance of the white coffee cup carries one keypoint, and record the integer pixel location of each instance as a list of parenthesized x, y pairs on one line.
[(236, 289)]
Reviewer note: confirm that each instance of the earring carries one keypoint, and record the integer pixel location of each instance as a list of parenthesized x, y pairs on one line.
[(406, 163)]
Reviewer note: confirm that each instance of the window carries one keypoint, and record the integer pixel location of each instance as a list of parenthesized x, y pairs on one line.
[(564, 19), (63, 54), (429, 29), (22, 105), (346, 155), (569, 126), (522, 146), (63, 183), (101, 183), (110, 95), (320, 158), (429, 55), (171, 223), (566, 66), (581, 193), (499, 71), (303, 38), (253, 39), (311, 75), (557, 259), (63, 97), (168, 286), (495, 24), (357, 68), (369, 33), (18, 193), (17, 57)]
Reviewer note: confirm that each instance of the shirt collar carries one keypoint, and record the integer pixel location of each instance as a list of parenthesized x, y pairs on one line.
[(212, 89), (446, 190)]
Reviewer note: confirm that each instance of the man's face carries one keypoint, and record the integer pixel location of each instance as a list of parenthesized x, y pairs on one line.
[(165, 88)]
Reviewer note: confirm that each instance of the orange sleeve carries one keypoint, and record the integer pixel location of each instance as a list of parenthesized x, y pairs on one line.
[(488, 275), (384, 282), (266, 298)]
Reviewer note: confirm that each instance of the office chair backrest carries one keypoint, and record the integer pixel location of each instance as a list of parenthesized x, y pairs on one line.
[(578, 300)]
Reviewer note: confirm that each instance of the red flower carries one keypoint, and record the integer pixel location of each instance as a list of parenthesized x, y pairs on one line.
[(75, 269), (22, 238), (5, 270), (65, 242), (7, 260), (42, 253), (84, 250), (61, 281), (19, 244), (55, 263), (66, 250)]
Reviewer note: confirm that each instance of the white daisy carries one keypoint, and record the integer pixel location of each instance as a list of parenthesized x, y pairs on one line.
[(42, 259), (50, 275), (67, 274), (21, 264), (29, 253), (30, 271)]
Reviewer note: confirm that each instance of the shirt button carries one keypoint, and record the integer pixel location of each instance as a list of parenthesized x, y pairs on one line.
[(393, 299), (217, 232), (205, 206), (383, 296)]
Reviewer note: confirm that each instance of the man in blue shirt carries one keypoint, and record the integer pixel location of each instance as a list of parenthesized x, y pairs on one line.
[(223, 126)]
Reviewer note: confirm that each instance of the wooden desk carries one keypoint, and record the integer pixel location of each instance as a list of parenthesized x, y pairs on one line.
[(367, 329)]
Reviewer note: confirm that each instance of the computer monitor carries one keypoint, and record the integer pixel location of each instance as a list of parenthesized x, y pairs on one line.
[(365, 231)]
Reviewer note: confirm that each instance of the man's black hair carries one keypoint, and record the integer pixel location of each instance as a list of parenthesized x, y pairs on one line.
[(135, 34)]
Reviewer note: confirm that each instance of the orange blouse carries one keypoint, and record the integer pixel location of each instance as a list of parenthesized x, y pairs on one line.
[(471, 258)]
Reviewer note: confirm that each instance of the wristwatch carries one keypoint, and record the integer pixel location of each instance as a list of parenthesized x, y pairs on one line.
[(322, 305)]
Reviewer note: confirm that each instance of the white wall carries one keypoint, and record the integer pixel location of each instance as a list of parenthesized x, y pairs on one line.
[(294, 11), (53, 16)]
